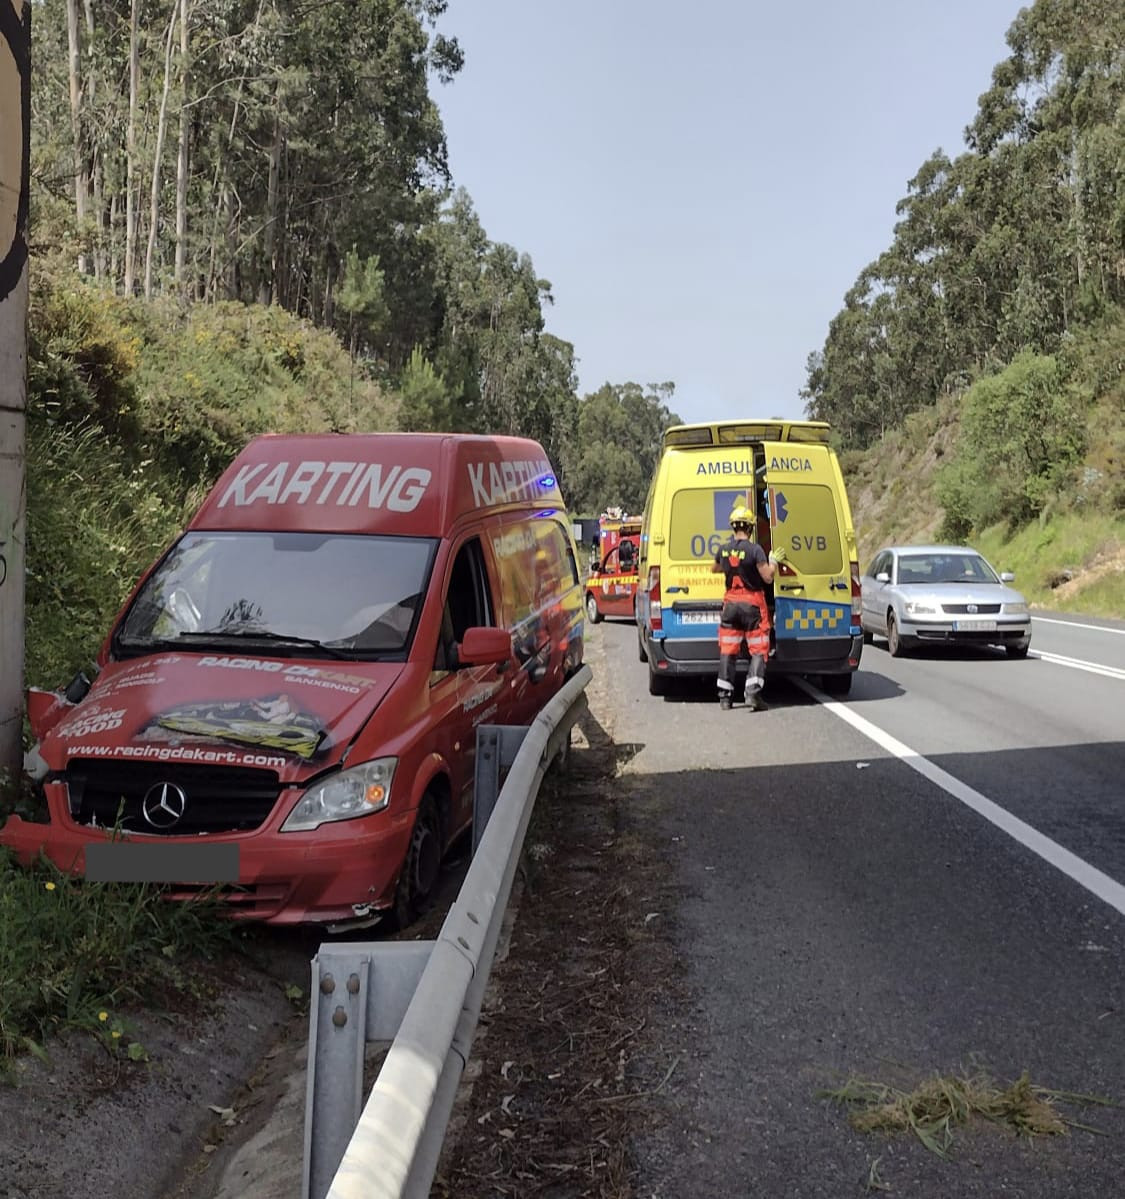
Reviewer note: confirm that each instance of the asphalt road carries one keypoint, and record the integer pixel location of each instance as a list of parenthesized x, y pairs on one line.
[(925, 877)]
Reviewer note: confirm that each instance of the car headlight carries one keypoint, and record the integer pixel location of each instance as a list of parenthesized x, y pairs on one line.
[(356, 792), (919, 608), (1015, 609)]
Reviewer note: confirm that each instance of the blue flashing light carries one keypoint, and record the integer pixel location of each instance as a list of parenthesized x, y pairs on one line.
[(547, 481)]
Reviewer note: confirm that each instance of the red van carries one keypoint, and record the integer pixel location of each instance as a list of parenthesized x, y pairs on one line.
[(290, 695)]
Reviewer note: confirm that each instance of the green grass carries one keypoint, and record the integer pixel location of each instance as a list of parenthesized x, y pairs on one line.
[(1077, 543), (79, 955)]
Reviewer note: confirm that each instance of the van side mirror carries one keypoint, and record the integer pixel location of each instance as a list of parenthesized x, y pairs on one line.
[(484, 646)]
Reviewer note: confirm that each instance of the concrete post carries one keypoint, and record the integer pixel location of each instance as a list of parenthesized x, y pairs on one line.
[(15, 145)]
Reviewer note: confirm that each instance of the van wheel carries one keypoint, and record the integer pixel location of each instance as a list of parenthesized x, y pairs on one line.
[(421, 867), (868, 637), (837, 684), (592, 609), (658, 684), (896, 643), (642, 653)]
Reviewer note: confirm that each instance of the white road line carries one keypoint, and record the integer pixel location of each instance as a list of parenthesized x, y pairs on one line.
[(1097, 883), (1073, 624), (1110, 672)]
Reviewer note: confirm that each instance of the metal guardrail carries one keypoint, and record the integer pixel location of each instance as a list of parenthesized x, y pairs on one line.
[(426, 995)]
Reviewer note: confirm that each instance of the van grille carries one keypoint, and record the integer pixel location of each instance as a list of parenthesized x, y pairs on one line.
[(215, 799)]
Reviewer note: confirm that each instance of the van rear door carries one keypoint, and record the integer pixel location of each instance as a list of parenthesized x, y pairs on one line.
[(812, 590)]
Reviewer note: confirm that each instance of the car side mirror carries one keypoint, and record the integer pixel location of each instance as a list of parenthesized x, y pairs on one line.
[(484, 647), (882, 577), (1007, 576)]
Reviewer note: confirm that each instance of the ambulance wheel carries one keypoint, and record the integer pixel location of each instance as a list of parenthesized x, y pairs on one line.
[(642, 653), (421, 868), (836, 684), (592, 609), (868, 637), (658, 684)]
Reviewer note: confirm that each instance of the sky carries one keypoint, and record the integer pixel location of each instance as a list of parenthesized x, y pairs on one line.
[(702, 180)]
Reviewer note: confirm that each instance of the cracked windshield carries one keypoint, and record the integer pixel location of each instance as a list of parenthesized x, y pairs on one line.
[(353, 594)]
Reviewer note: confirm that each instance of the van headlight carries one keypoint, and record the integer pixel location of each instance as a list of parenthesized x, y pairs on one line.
[(356, 792)]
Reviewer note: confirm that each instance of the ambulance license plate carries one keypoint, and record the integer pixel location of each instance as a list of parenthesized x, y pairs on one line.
[(974, 626), (699, 617)]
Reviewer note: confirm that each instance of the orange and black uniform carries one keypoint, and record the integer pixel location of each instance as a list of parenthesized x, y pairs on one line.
[(745, 615)]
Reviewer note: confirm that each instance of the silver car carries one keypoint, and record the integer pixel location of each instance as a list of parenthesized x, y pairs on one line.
[(941, 594)]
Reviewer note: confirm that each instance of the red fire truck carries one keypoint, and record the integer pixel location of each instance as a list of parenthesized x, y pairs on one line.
[(613, 573)]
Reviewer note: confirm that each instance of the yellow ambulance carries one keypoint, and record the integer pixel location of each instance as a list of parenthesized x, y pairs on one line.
[(788, 475)]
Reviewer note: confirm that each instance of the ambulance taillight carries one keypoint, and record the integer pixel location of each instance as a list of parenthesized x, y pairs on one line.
[(857, 596), (655, 618)]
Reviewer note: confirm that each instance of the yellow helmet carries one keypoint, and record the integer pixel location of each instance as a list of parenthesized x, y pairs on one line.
[(741, 516)]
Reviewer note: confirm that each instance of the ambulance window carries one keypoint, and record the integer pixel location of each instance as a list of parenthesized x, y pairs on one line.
[(469, 601)]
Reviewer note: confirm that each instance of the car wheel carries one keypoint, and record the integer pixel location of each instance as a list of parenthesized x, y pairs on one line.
[(896, 643), (592, 608), (421, 868), (658, 684), (837, 684), (1018, 650)]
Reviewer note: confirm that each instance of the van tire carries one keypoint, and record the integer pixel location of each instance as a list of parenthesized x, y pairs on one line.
[(658, 684), (642, 653), (592, 609), (868, 637), (421, 868), (836, 684)]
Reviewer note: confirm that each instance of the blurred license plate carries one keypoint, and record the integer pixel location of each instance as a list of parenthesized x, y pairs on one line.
[(974, 626), (698, 617)]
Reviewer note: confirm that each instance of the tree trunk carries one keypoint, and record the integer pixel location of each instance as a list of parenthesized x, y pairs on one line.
[(97, 174), (158, 153), (182, 157), (81, 175), (131, 149), (267, 285)]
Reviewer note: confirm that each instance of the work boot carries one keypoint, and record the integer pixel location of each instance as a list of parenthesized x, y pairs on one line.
[(755, 702), (725, 702)]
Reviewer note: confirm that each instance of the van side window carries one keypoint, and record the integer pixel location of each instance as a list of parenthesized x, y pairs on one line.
[(468, 603)]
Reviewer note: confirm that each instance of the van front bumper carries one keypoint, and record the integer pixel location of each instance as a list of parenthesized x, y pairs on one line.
[(332, 874)]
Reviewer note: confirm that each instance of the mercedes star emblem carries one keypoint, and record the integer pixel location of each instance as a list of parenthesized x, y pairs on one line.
[(164, 805)]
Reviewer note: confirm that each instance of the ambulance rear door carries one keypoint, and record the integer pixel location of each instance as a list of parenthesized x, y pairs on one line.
[(812, 589)]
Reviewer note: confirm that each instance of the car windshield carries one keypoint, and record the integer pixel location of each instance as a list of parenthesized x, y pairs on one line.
[(945, 568), (349, 596)]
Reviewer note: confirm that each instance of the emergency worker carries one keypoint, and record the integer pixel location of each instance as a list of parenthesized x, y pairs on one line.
[(745, 615)]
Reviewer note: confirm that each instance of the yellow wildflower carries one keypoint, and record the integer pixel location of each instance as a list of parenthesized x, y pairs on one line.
[(103, 1016), (49, 886)]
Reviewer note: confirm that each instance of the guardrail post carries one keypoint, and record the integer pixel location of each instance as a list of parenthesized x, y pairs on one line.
[(337, 1037), (361, 991), (497, 746)]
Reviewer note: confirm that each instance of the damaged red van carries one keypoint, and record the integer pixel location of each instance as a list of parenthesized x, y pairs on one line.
[(286, 705)]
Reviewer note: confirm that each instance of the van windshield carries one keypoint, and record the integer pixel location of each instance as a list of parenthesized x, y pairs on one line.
[(283, 593)]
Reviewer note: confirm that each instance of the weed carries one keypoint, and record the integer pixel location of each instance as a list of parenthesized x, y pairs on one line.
[(73, 954), (942, 1103)]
